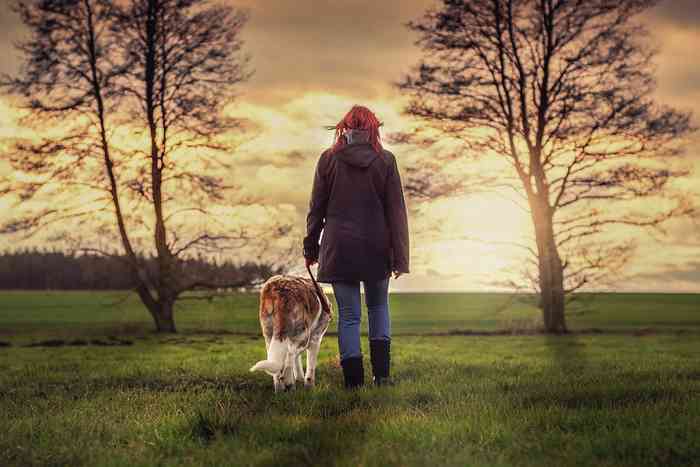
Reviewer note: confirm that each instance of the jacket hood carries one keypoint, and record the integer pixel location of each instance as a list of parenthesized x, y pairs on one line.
[(356, 134), (357, 151), (359, 154)]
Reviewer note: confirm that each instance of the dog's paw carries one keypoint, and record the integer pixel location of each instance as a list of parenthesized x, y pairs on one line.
[(309, 383)]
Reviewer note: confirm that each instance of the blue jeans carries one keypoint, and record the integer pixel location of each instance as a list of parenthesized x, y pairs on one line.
[(347, 296)]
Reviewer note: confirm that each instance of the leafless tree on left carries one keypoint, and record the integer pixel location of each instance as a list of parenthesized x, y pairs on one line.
[(138, 89)]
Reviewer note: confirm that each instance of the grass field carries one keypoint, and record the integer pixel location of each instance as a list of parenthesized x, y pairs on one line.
[(628, 396), (57, 314)]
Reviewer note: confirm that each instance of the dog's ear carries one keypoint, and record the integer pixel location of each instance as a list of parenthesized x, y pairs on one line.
[(268, 366)]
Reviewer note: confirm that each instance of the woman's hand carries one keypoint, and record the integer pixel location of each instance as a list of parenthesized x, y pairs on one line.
[(310, 262)]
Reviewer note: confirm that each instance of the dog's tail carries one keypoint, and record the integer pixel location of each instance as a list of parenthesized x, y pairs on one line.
[(276, 355)]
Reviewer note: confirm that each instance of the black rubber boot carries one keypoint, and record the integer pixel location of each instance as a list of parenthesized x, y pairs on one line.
[(353, 372), (380, 355)]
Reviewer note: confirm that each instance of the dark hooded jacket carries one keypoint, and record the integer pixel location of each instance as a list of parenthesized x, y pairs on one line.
[(357, 200)]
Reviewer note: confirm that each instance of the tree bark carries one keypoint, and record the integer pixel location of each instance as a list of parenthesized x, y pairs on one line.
[(551, 271), (162, 313)]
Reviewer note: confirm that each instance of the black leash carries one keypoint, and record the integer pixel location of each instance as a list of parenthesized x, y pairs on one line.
[(321, 296)]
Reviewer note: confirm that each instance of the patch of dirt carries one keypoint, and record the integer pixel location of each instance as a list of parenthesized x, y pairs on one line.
[(218, 332), (48, 343), (177, 341), (187, 341), (111, 341)]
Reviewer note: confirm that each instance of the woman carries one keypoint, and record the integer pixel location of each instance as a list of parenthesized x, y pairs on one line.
[(358, 201)]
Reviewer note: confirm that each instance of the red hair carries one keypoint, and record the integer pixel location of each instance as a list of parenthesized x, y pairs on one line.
[(358, 117)]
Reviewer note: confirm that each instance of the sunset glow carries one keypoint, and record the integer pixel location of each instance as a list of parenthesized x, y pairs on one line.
[(311, 65)]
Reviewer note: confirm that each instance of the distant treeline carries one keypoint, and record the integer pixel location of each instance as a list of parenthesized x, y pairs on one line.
[(42, 270)]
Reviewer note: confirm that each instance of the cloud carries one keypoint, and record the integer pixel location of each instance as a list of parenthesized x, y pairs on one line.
[(440, 275), (679, 13), (11, 29), (345, 47), (672, 273), (291, 158)]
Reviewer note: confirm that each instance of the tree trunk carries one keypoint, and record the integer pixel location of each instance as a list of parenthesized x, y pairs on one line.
[(162, 314), (167, 288), (161, 310), (551, 272)]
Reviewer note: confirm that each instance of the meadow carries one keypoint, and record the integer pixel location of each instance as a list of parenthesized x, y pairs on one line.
[(66, 313), (84, 381)]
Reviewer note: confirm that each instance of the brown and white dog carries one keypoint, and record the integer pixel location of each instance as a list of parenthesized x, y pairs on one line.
[(293, 319)]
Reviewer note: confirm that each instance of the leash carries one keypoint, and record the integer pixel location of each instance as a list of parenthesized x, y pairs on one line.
[(321, 296)]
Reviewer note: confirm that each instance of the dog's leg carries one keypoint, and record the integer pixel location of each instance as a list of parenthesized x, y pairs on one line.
[(298, 369), (288, 372), (277, 382), (311, 359)]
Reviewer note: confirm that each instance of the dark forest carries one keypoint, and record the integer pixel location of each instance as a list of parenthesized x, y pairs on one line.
[(40, 269)]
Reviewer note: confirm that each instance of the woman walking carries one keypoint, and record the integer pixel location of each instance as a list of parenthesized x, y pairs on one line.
[(357, 200)]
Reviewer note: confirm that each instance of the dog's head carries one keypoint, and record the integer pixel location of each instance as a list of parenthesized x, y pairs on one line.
[(276, 364), (283, 377)]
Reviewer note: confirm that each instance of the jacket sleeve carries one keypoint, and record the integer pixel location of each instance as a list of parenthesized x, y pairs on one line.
[(398, 220), (316, 218)]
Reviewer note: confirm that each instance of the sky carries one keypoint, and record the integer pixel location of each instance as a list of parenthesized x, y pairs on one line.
[(313, 60)]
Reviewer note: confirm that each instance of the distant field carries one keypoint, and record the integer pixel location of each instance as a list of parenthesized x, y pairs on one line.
[(65, 313), (120, 395)]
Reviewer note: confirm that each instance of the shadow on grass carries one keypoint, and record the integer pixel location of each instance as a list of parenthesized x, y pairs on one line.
[(566, 353), (606, 399), (570, 381), (288, 432), (313, 443), (97, 386)]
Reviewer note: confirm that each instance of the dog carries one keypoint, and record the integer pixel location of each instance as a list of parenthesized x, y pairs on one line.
[(294, 316)]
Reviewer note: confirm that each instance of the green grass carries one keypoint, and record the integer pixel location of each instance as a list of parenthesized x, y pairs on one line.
[(100, 313), (611, 399)]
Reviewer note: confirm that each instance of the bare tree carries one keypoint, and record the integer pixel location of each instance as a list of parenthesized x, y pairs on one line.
[(562, 92), (105, 72)]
